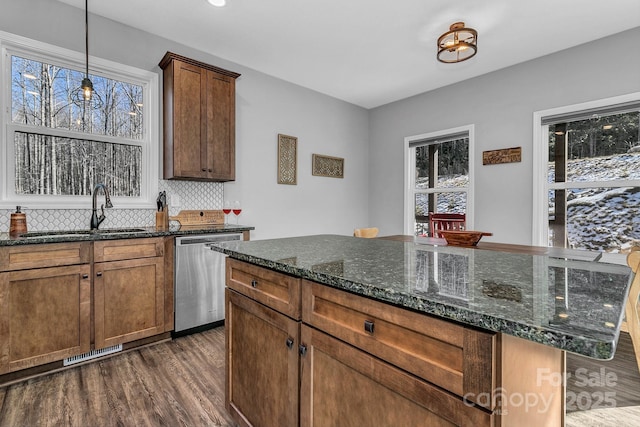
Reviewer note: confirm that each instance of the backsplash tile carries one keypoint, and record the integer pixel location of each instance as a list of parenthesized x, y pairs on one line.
[(193, 195)]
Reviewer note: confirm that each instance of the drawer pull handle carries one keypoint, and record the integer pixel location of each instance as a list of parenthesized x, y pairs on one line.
[(85, 276), (368, 326), (99, 274), (289, 343), (254, 283), (303, 349)]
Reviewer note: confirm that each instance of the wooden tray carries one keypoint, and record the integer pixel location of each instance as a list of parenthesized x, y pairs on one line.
[(196, 217)]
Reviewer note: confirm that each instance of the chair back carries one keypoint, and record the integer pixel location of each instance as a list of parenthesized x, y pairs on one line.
[(445, 221), (631, 308), (366, 232)]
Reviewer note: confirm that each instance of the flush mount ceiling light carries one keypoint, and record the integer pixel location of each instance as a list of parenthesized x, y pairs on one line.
[(458, 44), (217, 3)]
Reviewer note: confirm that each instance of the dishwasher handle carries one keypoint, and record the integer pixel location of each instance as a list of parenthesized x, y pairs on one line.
[(200, 240)]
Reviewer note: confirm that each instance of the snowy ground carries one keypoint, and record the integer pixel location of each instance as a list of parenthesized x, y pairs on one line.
[(599, 219)]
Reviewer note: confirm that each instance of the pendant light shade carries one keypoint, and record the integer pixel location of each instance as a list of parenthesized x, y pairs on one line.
[(458, 44), (86, 86)]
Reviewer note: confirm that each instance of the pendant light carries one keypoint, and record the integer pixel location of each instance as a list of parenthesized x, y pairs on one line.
[(458, 44), (86, 86)]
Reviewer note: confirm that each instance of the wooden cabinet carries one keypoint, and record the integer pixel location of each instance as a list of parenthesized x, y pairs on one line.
[(262, 364), (350, 361), (45, 304), (418, 370), (49, 310), (342, 385), (129, 290), (455, 358), (262, 318), (199, 120)]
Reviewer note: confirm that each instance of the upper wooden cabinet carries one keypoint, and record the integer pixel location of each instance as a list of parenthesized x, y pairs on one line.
[(199, 120)]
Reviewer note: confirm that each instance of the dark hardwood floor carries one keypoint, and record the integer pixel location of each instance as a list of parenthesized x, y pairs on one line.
[(177, 383), (618, 380), (181, 383)]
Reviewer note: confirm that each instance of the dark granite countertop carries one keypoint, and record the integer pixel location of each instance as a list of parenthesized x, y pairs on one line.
[(573, 305), (110, 234)]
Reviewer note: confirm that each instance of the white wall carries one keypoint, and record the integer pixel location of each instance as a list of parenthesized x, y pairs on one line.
[(265, 106), (501, 105)]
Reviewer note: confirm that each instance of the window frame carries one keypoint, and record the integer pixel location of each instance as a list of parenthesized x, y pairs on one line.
[(11, 44), (410, 178), (541, 186)]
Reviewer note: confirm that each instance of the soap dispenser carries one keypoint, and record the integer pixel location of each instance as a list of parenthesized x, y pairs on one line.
[(18, 223)]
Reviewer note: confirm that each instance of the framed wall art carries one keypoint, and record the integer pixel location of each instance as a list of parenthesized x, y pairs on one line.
[(332, 167), (287, 159)]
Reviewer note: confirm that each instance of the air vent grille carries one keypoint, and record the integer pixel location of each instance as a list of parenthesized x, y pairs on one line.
[(92, 355)]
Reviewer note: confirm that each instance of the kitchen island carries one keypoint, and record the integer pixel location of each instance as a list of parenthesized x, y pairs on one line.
[(516, 314)]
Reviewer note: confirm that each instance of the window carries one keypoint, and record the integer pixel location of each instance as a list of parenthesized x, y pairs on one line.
[(591, 194), (57, 146), (438, 177)]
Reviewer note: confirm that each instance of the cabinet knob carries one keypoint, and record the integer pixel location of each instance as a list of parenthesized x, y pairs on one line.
[(210, 170), (368, 326), (289, 343), (85, 276), (204, 169), (254, 283), (302, 349), (99, 274)]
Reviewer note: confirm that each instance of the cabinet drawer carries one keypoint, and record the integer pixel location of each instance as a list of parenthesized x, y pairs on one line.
[(273, 289), (451, 356), (115, 250), (340, 382), (44, 255)]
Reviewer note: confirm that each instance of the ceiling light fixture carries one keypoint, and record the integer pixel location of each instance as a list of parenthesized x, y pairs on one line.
[(217, 3), (458, 44), (86, 86)]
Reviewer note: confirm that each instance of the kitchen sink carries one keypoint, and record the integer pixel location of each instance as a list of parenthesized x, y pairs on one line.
[(119, 230), (79, 233)]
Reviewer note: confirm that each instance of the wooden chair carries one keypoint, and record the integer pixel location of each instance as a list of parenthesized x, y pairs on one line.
[(631, 308), (366, 232), (445, 221)]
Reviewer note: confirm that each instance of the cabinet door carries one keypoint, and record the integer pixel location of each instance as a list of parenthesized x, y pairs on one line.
[(129, 300), (262, 364), (44, 315), (341, 385), (189, 126), (220, 127)]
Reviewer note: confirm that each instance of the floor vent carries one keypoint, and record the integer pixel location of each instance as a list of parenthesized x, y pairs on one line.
[(92, 354)]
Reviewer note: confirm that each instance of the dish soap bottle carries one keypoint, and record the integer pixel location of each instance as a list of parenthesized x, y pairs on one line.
[(18, 223)]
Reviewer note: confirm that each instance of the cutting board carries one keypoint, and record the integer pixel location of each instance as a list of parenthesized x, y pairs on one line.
[(196, 217)]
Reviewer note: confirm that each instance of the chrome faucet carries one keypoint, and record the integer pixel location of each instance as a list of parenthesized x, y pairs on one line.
[(95, 219)]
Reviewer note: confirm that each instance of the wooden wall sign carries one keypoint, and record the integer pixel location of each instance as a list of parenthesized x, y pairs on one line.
[(287, 159), (506, 155), (333, 167)]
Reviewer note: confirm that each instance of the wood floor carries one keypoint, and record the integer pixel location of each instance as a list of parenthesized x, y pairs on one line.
[(177, 383), (181, 383)]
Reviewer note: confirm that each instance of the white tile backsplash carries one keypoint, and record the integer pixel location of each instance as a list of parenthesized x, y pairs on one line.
[(192, 195)]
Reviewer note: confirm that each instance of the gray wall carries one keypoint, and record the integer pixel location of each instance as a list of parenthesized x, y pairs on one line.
[(501, 106), (265, 106)]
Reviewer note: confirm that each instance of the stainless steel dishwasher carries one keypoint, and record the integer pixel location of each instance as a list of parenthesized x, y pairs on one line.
[(199, 282)]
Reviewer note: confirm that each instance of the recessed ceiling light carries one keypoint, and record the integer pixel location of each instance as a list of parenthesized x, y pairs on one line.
[(218, 3)]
